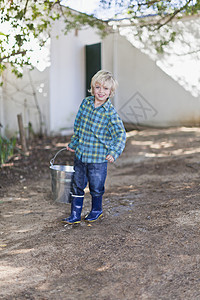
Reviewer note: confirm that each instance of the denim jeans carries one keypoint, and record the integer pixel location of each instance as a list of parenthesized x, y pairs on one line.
[(92, 173)]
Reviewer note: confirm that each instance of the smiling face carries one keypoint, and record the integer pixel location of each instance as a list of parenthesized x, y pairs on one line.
[(103, 86), (101, 92)]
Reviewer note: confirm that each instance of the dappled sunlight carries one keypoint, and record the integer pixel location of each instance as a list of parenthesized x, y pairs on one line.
[(48, 147), (185, 152), (7, 272), (15, 278), (177, 152), (61, 145), (18, 157), (7, 165), (152, 154), (165, 143), (152, 144), (162, 145), (24, 212), (191, 218), (190, 129), (9, 199), (22, 230), (104, 267), (8, 215), (21, 251), (43, 287), (164, 132), (127, 188), (141, 143), (132, 133)]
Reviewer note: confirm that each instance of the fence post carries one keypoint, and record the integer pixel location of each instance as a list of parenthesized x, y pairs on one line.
[(22, 133)]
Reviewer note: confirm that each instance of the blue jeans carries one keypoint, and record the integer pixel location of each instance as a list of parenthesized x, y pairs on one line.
[(92, 173)]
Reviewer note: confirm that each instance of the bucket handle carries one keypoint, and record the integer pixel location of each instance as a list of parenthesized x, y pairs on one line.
[(52, 160)]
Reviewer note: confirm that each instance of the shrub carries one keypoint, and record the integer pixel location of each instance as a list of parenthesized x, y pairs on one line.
[(6, 148)]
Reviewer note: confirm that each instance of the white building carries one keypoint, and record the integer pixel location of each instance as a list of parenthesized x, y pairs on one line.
[(49, 99)]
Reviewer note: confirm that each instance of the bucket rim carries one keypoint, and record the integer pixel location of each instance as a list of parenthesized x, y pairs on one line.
[(67, 168)]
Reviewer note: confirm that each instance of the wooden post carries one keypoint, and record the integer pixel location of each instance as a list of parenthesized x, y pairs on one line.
[(22, 133)]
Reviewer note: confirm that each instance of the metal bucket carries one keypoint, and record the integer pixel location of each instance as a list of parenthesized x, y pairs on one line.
[(61, 178)]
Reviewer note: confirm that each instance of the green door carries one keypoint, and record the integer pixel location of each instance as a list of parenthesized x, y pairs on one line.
[(93, 63)]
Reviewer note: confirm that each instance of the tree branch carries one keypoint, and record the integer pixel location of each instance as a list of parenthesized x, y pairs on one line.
[(172, 16), (149, 3), (13, 54), (190, 52), (26, 5)]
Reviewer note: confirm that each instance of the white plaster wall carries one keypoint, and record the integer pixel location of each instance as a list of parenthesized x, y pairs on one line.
[(67, 76), (1, 112), (18, 98), (146, 95)]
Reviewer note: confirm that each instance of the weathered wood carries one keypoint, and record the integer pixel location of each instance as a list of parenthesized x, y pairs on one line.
[(22, 133)]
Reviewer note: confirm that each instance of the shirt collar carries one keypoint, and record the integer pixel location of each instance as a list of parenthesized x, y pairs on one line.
[(106, 105)]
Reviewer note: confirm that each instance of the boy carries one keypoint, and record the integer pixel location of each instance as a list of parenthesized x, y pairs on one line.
[(99, 137)]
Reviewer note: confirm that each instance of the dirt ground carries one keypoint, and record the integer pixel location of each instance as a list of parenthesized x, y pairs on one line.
[(145, 247)]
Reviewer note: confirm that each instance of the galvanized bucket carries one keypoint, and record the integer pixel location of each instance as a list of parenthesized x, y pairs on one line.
[(61, 178)]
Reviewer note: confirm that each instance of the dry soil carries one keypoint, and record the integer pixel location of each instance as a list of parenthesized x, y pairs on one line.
[(145, 247)]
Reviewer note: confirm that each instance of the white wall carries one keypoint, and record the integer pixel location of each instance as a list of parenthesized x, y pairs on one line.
[(146, 95), (20, 96), (67, 76), (1, 112)]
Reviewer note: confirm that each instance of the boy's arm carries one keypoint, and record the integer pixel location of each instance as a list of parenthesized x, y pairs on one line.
[(75, 137), (118, 135)]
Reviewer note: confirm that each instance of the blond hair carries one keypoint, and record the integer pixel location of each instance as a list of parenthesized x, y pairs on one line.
[(104, 78)]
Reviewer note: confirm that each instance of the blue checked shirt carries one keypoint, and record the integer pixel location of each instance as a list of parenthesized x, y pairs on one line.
[(98, 132)]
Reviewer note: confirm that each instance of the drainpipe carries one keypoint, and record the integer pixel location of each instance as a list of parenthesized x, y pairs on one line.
[(1, 111), (115, 69)]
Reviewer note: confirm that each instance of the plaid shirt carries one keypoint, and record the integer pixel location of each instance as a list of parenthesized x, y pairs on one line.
[(97, 132)]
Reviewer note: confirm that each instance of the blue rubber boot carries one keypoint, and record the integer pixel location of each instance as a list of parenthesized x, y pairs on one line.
[(76, 208), (96, 211)]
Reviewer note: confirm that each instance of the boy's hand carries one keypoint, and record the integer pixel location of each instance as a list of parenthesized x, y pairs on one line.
[(71, 150), (110, 158)]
